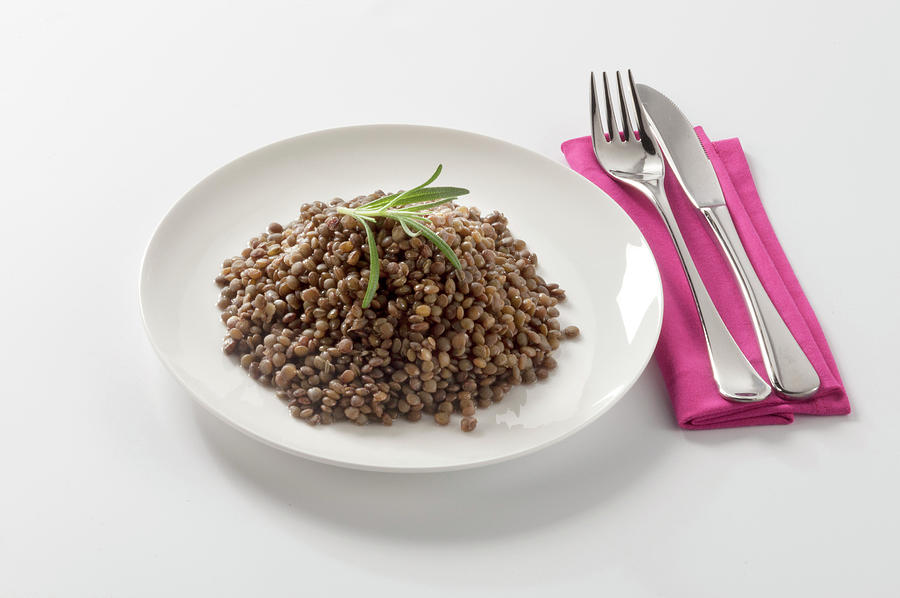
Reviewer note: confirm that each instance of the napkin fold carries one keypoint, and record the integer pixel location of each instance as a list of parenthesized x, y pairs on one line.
[(681, 351)]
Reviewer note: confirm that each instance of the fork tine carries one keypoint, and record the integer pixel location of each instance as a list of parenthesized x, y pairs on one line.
[(627, 130), (611, 124), (639, 112), (597, 132), (638, 107)]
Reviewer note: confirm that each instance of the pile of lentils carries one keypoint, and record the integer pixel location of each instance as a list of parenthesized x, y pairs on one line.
[(435, 340)]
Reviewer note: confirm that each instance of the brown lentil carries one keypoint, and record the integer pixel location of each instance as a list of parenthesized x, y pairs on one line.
[(435, 340)]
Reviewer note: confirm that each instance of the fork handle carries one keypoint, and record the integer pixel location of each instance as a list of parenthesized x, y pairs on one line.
[(736, 379), (790, 371)]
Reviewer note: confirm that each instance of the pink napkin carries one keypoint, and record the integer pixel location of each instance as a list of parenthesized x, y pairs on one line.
[(681, 352)]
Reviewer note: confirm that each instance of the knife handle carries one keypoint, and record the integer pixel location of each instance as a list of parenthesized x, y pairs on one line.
[(790, 371), (735, 377)]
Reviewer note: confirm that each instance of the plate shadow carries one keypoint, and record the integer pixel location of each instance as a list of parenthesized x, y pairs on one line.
[(483, 504)]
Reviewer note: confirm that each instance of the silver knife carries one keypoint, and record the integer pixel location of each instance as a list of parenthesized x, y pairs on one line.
[(790, 371)]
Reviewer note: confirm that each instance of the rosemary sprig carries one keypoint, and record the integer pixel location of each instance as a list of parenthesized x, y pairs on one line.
[(407, 208)]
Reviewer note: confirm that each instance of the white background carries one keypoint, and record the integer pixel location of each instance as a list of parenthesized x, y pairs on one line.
[(115, 484)]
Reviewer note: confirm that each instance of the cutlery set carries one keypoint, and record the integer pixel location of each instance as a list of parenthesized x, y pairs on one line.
[(667, 137)]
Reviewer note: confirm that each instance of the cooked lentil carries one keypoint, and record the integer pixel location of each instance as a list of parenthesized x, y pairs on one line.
[(435, 339)]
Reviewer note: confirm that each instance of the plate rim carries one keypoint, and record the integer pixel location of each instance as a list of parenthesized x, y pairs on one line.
[(623, 390)]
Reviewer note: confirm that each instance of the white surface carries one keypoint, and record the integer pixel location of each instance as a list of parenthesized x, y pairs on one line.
[(114, 484), (618, 308)]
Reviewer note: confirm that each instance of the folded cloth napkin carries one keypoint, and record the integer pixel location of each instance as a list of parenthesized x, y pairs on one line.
[(681, 351)]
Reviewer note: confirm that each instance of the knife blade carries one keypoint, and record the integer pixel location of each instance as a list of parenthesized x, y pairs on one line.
[(790, 371), (679, 141)]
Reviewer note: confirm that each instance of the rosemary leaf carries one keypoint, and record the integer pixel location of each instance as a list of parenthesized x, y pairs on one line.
[(432, 204), (439, 242), (429, 194), (374, 265)]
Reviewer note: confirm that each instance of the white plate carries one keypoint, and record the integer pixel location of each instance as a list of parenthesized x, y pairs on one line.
[(585, 242)]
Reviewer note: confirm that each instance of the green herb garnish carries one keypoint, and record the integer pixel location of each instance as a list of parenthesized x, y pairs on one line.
[(407, 208)]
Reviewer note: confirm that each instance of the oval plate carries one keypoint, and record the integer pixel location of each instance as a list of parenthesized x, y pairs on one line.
[(585, 242)]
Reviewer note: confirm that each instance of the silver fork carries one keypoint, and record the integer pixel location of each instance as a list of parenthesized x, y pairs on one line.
[(639, 164)]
